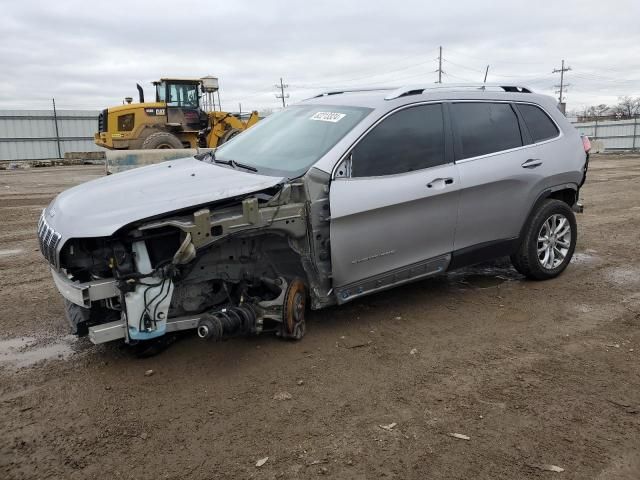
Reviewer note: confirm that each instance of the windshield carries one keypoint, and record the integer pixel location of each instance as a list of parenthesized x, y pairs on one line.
[(183, 95), (287, 143)]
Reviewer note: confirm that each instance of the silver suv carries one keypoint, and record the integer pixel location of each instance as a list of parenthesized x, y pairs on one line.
[(343, 195)]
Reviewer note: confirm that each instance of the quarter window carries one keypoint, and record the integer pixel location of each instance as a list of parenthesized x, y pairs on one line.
[(540, 126), (484, 128), (408, 140)]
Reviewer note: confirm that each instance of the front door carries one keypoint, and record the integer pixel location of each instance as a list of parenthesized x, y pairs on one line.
[(394, 210)]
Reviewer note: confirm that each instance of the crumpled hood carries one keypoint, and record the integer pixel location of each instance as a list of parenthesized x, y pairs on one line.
[(100, 207)]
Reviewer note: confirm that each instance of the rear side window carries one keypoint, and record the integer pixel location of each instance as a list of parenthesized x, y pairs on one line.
[(483, 128), (408, 140), (540, 126)]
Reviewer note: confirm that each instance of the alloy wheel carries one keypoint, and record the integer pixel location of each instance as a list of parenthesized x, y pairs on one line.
[(554, 241)]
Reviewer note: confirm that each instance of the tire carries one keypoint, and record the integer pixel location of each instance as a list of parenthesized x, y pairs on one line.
[(77, 317), (229, 135), (153, 347), (543, 254), (161, 140), (80, 318)]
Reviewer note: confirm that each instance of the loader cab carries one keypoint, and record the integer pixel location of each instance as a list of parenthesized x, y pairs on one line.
[(182, 97)]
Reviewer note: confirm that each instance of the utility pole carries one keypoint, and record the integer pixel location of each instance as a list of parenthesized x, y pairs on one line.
[(486, 72), (55, 121), (439, 66), (562, 85), (282, 95)]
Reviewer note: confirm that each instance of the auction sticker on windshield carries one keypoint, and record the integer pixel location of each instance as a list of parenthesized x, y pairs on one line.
[(332, 117)]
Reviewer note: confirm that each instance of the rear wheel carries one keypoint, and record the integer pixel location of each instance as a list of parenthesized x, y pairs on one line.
[(161, 140), (548, 242)]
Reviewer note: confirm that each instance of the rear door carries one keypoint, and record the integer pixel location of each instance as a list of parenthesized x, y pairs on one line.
[(501, 172), (395, 206)]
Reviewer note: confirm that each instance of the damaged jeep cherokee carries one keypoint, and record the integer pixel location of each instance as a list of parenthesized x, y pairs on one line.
[(345, 194)]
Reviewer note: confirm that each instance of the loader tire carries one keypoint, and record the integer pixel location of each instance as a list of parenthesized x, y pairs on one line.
[(161, 140), (229, 135)]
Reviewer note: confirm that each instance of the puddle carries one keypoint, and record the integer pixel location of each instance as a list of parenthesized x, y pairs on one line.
[(485, 276), (27, 351), (624, 276), (583, 258), (481, 281), (10, 253)]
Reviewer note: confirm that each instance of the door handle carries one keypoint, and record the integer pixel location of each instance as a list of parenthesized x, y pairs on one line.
[(532, 163), (445, 181)]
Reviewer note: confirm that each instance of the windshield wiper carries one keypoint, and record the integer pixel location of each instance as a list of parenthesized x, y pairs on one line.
[(242, 165), (231, 163), (234, 164), (203, 156)]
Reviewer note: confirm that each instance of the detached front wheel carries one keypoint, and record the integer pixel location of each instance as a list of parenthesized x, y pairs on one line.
[(548, 242)]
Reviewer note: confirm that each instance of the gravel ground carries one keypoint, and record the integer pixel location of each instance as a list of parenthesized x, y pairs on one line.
[(533, 373)]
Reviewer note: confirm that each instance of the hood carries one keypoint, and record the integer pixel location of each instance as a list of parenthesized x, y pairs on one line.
[(100, 207)]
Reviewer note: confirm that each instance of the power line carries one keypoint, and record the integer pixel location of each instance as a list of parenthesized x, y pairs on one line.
[(343, 82)]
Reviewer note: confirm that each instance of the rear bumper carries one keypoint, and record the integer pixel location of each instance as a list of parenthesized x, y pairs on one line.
[(83, 294)]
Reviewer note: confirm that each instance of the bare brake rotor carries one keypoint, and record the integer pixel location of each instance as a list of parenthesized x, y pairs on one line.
[(294, 309)]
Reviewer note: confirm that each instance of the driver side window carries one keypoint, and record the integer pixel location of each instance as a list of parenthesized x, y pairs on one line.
[(408, 140)]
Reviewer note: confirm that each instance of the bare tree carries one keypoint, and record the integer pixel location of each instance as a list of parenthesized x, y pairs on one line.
[(627, 107), (594, 111), (601, 109)]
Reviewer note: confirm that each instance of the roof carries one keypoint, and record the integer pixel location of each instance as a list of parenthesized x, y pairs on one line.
[(190, 80)]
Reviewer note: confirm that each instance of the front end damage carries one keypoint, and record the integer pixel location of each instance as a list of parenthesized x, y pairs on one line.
[(240, 266)]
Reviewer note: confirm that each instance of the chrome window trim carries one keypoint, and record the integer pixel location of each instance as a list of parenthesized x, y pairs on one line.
[(464, 160)]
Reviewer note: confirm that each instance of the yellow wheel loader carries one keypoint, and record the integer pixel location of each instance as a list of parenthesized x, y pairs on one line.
[(184, 115)]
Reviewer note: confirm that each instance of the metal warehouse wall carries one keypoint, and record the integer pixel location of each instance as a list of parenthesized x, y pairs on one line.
[(615, 134), (31, 134)]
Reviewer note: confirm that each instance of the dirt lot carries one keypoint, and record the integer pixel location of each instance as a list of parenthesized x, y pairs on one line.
[(533, 373)]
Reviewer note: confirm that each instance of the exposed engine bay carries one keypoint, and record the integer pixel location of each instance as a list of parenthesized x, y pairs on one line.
[(243, 265)]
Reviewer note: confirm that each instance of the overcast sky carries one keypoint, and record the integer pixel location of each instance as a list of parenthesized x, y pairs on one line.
[(89, 55)]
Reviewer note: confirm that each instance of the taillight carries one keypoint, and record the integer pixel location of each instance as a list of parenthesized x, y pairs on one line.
[(586, 143)]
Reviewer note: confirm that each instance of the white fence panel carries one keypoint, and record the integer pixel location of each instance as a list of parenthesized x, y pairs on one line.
[(614, 134), (31, 134)]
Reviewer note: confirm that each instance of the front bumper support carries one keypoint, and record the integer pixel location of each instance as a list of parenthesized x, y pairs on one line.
[(83, 294), (116, 330)]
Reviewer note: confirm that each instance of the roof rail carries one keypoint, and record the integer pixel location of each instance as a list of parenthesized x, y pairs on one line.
[(419, 89), (339, 91)]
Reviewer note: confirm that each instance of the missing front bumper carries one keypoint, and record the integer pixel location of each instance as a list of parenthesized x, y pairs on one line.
[(83, 294)]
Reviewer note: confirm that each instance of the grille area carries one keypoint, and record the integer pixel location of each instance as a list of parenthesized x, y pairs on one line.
[(49, 240), (102, 121)]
